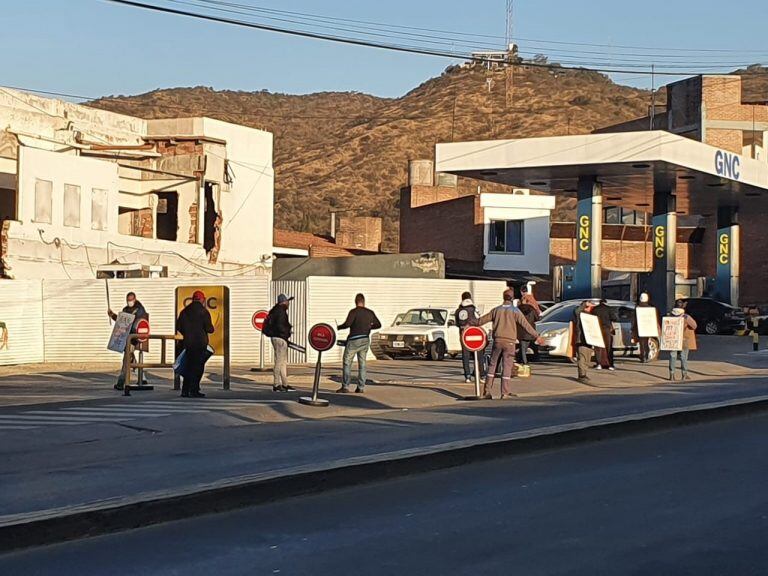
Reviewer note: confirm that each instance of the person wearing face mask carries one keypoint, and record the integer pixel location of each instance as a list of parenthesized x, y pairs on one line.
[(136, 308)]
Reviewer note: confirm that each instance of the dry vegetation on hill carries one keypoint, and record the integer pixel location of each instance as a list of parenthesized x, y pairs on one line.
[(350, 150)]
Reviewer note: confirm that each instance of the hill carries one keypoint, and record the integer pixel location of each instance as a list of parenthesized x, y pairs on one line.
[(351, 150)]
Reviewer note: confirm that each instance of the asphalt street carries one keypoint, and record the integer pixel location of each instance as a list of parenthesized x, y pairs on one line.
[(688, 501)]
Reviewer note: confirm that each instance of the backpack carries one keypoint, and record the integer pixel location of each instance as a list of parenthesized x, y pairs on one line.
[(266, 329)]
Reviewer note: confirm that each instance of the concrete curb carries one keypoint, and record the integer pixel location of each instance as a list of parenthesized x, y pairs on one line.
[(104, 517)]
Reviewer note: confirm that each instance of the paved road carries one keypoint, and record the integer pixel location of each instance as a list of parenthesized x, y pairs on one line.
[(689, 501)]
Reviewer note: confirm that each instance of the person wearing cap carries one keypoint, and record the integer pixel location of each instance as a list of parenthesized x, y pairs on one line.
[(194, 324), (360, 321), (642, 341), (507, 322), (689, 343), (277, 327), (137, 310)]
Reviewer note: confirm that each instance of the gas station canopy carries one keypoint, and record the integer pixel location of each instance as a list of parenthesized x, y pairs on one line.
[(628, 165)]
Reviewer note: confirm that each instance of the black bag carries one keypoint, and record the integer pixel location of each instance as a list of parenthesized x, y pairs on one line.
[(266, 329)]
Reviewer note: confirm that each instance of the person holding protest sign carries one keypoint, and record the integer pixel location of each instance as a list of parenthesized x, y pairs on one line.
[(688, 344), (137, 310), (582, 349), (194, 324), (643, 342)]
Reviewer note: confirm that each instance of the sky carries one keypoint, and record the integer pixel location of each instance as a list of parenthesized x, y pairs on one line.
[(95, 48)]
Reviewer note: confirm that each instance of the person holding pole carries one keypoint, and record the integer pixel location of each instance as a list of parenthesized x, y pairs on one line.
[(507, 321), (360, 321), (466, 314), (277, 327), (137, 310), (194, 324)]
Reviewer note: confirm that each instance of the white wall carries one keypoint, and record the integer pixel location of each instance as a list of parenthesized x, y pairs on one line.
[(330, 298), (535, 211), (66, 320)]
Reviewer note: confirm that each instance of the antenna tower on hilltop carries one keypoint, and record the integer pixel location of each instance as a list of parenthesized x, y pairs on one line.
[(509, 33)]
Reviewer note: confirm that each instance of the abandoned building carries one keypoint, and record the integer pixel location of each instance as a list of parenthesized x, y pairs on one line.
[(88, 193)]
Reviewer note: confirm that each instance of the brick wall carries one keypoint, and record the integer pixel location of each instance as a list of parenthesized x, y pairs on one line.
[(4, 226), (142, 224), (423, 195), (454, 228), (193, 215), (361, 233)]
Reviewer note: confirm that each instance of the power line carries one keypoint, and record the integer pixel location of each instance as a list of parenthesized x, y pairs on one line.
[(363, 42)]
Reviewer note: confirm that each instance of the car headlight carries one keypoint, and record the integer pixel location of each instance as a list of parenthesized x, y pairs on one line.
[(418, 338), (549, 334)]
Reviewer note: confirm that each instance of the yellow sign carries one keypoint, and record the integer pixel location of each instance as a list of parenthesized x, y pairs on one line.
[(659, 241), (724, 249), (217, 304), (584, 233)]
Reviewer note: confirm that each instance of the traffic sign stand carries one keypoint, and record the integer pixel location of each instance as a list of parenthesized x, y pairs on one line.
[(314, 400), (142, 329), (322, 338), (258, 323), (475, 339)]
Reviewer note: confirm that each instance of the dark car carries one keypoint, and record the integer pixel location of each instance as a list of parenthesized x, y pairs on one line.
[(715, 317)]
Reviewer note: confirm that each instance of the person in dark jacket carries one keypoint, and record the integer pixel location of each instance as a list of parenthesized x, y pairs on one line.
[(278, 328), (194, 324), (136, 308), (466, 314), (606, 316), (360, 321), (530, 309), (643, 342), (581, 349)]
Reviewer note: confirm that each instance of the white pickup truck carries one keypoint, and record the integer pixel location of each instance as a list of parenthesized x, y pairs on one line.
[(430, 332)]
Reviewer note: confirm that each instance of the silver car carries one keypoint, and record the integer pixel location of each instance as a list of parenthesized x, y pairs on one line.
[(555, 329)]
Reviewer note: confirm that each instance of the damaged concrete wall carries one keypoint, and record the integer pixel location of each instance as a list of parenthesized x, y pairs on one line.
[(427, 265)]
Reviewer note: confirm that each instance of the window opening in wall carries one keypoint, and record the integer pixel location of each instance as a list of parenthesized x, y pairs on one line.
[(72, 205), (8, 195), (506, 236), (209, 218), (43, 201), (99, 208), (167, 216)]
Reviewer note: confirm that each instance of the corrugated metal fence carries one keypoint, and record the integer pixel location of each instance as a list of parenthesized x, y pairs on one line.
[(66, 320)]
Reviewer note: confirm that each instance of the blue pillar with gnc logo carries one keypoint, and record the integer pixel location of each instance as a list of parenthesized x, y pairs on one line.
[(663, 244), (587, 281), (727, 246)]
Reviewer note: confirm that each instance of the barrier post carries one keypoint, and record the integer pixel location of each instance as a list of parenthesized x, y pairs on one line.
[(314, 400), (474, 339), (127, 367)]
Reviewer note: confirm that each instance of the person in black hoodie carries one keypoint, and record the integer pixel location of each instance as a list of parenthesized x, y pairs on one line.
[(194, 324), (278, 328), (466, 315), (136, 308)]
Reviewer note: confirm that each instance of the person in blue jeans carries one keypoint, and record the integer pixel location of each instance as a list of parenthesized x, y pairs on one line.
[(360, 321), (689, 343)]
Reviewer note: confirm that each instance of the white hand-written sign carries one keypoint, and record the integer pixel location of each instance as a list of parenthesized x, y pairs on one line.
[(647, 322), (591, 327), (672, 328), (120, 332)]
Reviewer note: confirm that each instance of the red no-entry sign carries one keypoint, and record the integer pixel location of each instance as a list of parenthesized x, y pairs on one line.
[(142, 329), (257, 320), (322, 337), (474, 339)]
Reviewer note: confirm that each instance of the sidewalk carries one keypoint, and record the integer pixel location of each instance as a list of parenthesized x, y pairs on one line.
[(78, 443)]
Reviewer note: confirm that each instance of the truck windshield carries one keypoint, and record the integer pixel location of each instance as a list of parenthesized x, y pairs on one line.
[(424, 317)]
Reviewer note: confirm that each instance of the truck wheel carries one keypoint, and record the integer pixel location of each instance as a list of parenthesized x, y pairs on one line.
[(437, 351)]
